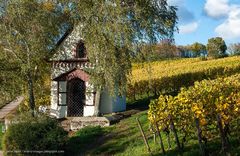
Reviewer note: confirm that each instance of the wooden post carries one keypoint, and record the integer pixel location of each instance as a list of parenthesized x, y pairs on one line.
[(222, 135), (199, 135), (154, 133), (167, 131), (160, 138), (175, 133), (144, 137), (169, 141)]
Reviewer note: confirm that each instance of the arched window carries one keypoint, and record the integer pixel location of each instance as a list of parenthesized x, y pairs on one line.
[(80, 50)]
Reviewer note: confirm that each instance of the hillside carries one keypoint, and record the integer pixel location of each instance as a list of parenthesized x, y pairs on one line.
[(161, 77), (170, 68)]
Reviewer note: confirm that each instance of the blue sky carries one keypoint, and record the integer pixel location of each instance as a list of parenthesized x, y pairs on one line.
[(200, 20)]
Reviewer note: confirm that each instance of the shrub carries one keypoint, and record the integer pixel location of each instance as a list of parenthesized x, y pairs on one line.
[(34, 134)]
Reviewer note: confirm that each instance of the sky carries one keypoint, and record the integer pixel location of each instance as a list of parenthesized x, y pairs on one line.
[(200, 20)]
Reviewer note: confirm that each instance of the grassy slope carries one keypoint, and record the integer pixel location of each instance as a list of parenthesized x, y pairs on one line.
[(125, 139)]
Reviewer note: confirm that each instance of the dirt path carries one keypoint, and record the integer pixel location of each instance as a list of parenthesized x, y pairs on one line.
[(10, 107)]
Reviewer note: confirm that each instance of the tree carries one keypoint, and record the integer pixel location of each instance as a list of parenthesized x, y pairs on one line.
[(166, 49), (198, 49), (234, 49), (162, 50), (112, 31), (29, 30), (216, 47)]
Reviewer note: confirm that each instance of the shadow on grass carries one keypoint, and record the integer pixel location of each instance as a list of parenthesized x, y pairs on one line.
[(141, 104), (124, 136), (79, 142)]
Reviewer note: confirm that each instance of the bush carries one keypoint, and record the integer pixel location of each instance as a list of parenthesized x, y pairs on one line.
[(34, 134)]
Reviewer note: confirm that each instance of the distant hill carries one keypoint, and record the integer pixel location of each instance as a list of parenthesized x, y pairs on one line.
[(170, 75)]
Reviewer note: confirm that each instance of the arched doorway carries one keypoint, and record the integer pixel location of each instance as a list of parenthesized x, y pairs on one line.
[(76, 97)]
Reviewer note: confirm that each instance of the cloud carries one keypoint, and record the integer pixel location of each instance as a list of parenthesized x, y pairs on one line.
[(184, 15), (229, 12), (230, 28), (188, 28), (186, 18), (217, 8)]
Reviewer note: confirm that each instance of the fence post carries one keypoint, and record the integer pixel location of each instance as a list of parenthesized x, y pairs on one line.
[(160, 138), (144, 137)]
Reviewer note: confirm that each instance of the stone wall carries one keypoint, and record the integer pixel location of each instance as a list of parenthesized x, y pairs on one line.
[(79, 122)]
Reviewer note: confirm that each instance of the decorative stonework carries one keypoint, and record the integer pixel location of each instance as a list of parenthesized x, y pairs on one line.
[(79, 122), (72, 64), (66, 50), (75, 73)]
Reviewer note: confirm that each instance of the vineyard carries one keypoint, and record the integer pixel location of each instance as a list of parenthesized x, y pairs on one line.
[(206, 111), (162, 77)]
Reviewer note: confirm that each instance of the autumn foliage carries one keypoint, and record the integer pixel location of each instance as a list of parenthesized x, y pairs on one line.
[(162, 77), (208, 110)]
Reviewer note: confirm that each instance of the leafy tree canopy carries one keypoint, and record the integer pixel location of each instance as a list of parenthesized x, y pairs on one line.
[(28, 30), (216, 47), (234, 49), (111, 29), (197, 48)]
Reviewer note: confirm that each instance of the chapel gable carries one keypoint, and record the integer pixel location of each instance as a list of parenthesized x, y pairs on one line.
[(70, 47)]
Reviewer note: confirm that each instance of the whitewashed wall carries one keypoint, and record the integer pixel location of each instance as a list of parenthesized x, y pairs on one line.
[(109, 104), (105, 103), (88, 111), (57, 111), (119, 104), (61, 111), (65, 51)]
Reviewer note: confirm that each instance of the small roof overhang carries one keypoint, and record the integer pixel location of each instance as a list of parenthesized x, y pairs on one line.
[(75, 73)]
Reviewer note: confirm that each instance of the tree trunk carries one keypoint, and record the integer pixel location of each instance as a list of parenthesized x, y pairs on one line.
[(97, 103), (30, 93), (222, 135), (175, 133), (155, 91), (199, 134), (134, 94)]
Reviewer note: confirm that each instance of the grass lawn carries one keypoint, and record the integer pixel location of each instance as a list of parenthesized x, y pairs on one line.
[(124, 138)]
